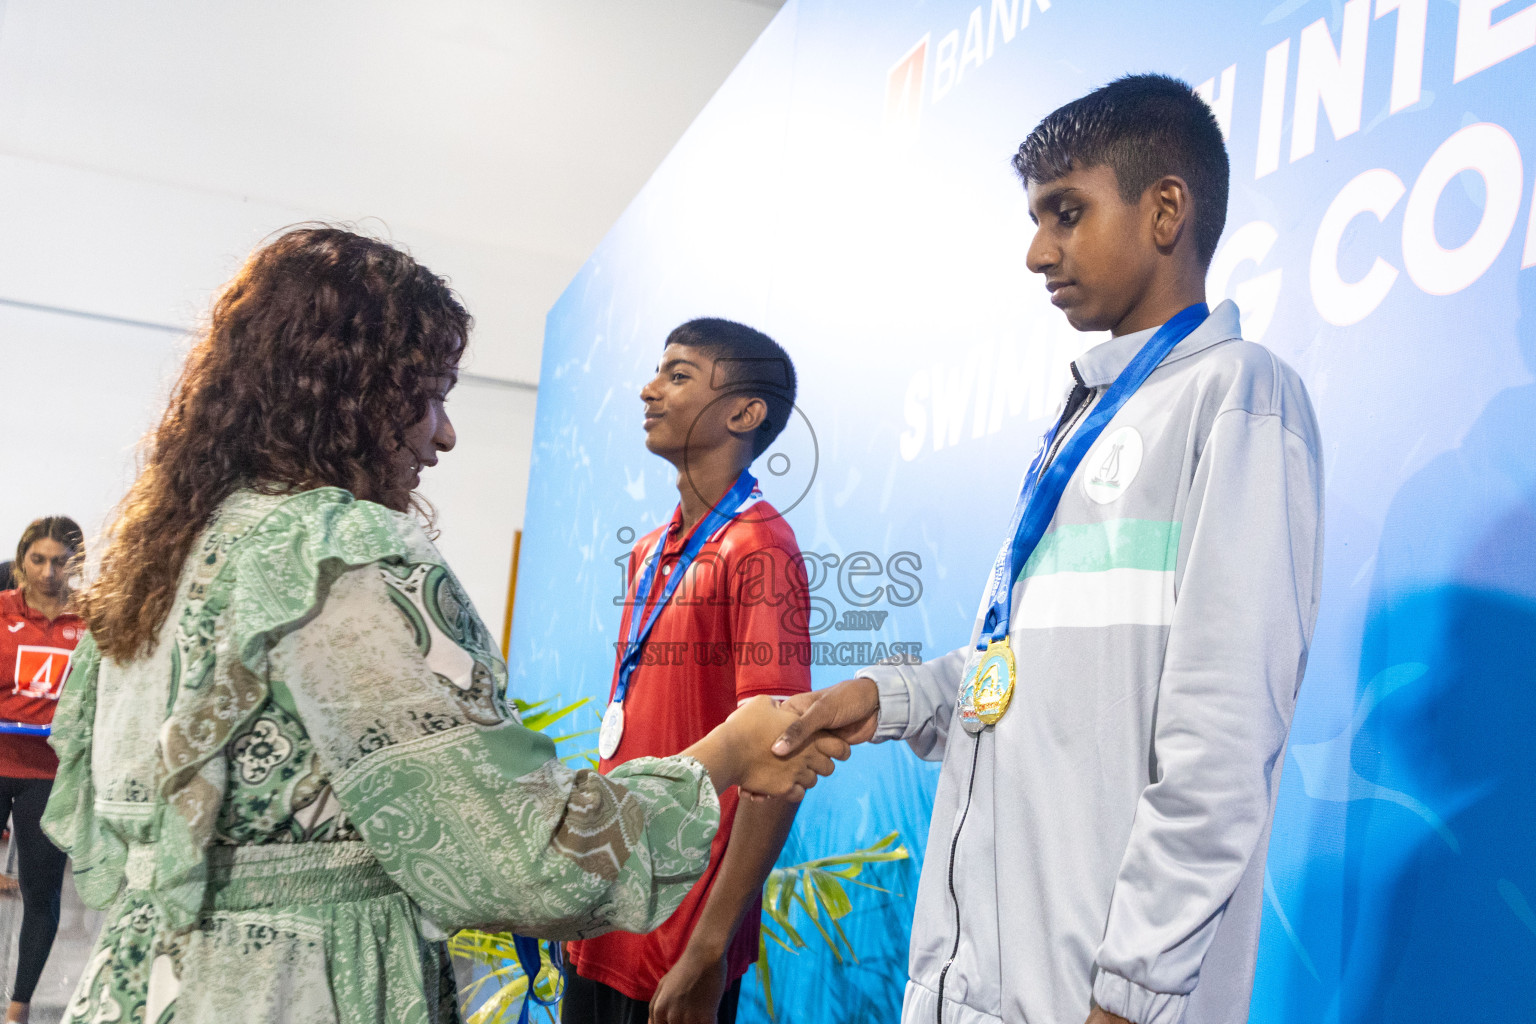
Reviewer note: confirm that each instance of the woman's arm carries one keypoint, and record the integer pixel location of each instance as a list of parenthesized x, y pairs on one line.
[(482, 824)]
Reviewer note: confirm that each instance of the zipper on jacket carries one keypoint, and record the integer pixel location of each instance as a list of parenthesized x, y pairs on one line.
[(954, 898), (1078, 403)]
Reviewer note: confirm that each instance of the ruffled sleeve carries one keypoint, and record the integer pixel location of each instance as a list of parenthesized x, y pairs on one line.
[(343, 612), (476, 819), (256, 578), (70, 820)]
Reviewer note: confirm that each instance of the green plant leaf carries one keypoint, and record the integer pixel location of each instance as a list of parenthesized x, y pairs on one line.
[(469, 995), (541, 720), (782, 883), (805, 895), (768, 931), (790, 933), (831, 894), (488, 948), (809, 906), (501, 1002), (816, 887), (497, 951), (575, 735), (844, 936), (764, 972)]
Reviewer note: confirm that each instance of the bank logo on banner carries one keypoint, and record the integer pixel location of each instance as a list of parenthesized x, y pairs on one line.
[(904, 91), (41, 671), (906, 83)]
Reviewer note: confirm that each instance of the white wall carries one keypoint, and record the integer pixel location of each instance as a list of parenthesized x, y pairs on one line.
[(81, 391), (78, 395), (85, 381), (475, 499), (146, 146)]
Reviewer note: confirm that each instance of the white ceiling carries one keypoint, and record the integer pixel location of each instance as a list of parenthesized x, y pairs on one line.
[(506, 136)]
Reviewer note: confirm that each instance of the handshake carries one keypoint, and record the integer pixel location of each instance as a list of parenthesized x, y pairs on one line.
[(772, 748)]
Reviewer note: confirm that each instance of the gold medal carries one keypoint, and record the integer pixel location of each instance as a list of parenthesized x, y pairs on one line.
[(993, 688)]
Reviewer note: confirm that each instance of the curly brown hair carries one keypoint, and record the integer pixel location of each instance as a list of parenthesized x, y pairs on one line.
[(317, 356)]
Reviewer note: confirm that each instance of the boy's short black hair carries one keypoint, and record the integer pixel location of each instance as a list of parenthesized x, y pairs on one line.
[(746, 361), (1142, 127)]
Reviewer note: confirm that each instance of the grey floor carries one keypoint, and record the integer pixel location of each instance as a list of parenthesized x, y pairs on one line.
[(77, 933)]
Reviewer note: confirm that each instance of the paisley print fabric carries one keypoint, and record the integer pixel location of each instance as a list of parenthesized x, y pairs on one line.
[(278, 790), (315, 776)]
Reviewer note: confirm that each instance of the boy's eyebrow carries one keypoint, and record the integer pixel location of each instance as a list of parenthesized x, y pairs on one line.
[(1056, 195), (677, 361)]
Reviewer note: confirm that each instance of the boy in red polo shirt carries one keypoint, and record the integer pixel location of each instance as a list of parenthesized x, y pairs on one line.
[(38, 636), (728, 587)]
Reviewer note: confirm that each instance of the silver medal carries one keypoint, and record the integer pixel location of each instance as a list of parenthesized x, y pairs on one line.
[(612, 730)]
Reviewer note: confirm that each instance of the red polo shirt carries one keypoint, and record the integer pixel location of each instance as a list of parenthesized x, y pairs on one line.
[(735, 628), (34, 662)]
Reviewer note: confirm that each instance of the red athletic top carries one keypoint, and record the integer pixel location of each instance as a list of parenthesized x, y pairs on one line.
[(716, 643), (34, 662)]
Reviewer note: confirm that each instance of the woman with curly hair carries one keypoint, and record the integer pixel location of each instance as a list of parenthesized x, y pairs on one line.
[(288, 767)]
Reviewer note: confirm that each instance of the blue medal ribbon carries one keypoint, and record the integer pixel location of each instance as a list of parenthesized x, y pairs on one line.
[(1044, 485), (528, 959), (640, 622)]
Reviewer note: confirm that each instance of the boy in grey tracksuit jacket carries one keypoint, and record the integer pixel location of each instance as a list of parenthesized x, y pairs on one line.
[(1111, 827), (1098, 853)]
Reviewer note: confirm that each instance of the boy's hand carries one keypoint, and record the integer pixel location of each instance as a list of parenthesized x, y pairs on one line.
[(1098, 1015), (850, 710), (690, 992)]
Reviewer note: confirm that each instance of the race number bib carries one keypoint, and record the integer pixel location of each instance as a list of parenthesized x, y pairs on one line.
[(41, 671)]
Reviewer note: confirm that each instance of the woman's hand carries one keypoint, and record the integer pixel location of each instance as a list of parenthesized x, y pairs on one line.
[(739, 752)]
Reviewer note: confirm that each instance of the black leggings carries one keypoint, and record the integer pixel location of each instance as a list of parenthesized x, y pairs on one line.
[(41, 867)]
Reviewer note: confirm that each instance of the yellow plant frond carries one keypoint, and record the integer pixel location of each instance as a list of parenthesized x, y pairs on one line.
[(540, 720)]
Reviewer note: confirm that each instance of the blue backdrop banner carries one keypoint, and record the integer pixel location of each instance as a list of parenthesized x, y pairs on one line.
[(849, 192)]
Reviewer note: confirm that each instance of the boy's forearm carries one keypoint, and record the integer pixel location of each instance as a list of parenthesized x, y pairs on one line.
[(757, 836), (916, 701)]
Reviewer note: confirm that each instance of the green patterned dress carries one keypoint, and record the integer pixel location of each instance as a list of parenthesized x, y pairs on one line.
[(315, 777)]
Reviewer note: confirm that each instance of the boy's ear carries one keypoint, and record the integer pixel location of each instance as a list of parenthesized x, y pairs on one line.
[(748, 415), (1172, 211)]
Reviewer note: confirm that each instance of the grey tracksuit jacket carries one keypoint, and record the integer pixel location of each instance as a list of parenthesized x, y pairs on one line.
[(1107, 837)]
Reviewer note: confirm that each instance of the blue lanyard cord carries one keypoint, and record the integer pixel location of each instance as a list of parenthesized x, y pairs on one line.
[(641, 621), (528, 959), (24, 729), (1044, 485)]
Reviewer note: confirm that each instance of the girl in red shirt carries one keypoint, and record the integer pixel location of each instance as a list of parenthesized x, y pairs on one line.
[(37, 640)]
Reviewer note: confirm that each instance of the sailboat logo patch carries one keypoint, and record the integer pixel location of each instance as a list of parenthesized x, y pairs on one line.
[(1112, 465)]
